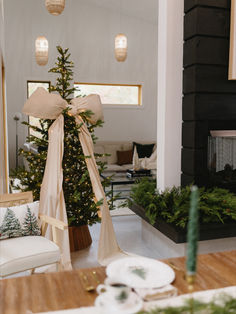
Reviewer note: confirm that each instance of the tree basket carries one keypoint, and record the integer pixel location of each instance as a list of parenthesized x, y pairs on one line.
[(80, 238)]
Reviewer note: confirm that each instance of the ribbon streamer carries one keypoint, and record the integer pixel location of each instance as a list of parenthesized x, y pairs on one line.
[(43, 105)]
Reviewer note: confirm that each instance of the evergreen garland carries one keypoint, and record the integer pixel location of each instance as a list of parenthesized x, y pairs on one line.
[(225, 305), (216, 205), (79, 197)]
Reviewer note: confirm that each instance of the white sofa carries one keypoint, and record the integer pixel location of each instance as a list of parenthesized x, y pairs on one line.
[(106, 147)]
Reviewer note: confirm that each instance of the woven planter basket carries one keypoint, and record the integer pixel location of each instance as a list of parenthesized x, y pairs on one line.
[(79, 237), (55, 7)]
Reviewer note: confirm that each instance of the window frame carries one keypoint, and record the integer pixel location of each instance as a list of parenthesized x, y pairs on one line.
[(129, 106), (27, 95), (35, 81)]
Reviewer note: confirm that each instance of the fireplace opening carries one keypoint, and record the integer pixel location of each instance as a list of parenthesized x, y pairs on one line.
[(222, 159)]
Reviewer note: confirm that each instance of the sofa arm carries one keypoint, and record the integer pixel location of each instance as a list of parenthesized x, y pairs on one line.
[(55, 223)]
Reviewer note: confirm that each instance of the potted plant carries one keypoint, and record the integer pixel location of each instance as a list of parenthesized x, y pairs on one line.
[(168, 211), (79, 197)]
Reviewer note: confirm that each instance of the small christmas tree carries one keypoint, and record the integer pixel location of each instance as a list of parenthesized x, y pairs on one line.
[(79, 197), (30, 225), (10, 227)]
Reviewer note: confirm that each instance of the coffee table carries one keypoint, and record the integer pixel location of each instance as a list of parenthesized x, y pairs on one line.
[(65, 290), (121, 179)]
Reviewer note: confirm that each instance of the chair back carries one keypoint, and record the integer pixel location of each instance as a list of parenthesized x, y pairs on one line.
[(14, 199)]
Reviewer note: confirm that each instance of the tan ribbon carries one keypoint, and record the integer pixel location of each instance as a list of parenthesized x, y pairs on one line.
[(43, 105)]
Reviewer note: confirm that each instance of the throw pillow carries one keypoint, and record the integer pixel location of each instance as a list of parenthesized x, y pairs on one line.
[(18, 221), (124, 157), (143, 150)]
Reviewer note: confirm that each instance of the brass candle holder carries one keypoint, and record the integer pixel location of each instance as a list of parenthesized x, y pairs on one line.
[(190, 278)]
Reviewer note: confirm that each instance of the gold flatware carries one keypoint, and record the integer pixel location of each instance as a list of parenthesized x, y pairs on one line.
[(172, 265), (95, 277), (87, 286)]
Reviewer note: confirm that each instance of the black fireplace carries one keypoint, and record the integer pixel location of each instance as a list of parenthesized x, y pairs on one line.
[(222, 159), (209, 101)]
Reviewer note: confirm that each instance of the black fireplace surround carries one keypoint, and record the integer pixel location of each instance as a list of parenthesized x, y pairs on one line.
[(209, 101)]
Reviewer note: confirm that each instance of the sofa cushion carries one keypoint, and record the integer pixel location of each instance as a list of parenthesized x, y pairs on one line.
[(20, 254), (144, 150), (111, 150), (127, 146), (127, 166), (113, 167), (18, 221), (124, 157), (99, 149)]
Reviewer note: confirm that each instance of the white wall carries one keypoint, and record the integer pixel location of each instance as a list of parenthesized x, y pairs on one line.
[(170, 69), (88, 30)]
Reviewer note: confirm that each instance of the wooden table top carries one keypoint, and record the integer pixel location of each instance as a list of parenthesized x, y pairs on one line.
[(64, 290)]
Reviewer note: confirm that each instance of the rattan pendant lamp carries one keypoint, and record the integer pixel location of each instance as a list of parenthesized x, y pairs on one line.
[(55, 7), (120, 47), (121, 43), (41, 50)]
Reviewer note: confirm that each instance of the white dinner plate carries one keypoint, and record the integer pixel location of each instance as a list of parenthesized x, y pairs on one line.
[(140, 272)]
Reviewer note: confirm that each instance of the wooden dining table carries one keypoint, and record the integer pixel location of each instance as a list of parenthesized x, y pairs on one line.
[(65, 290)]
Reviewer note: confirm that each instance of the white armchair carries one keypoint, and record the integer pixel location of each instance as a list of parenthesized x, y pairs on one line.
[(29, 252)]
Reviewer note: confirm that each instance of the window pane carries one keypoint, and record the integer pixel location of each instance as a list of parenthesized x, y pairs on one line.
[(31, 87), (112, 94)]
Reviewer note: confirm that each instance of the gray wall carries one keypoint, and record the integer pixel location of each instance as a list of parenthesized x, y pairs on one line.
[(88, 30)]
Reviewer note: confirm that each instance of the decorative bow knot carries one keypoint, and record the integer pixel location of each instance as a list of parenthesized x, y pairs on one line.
[(43, 105)]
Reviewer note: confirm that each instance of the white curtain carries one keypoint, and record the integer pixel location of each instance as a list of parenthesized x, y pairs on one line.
[(225, 152), (3, 135)]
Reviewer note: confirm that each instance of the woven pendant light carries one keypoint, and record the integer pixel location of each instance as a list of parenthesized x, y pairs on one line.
[(55, 7), (41, 50), (121, 45)]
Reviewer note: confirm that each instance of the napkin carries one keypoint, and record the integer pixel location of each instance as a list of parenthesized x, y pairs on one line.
[(156, 293)]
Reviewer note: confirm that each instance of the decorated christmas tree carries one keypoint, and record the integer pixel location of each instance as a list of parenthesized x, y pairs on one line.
[(10, 227), (30, 224), (79, 198)]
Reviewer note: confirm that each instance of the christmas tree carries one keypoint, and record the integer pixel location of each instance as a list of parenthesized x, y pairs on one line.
[(79, 197), (30, 225), (10, 227)]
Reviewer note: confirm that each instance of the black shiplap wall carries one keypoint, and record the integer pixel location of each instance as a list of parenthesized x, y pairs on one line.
[(209, 101)]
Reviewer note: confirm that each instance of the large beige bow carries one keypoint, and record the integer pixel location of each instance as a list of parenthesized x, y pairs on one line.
[(43, 105)]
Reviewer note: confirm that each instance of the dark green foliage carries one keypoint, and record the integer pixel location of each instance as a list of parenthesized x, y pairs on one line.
[(172, 205), (225, 306), (78, 194)]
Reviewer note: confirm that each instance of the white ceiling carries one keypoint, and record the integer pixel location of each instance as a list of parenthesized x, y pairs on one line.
[(144, 9)]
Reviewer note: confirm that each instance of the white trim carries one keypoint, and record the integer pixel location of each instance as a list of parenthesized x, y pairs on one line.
[(170, 77), (161, 92)]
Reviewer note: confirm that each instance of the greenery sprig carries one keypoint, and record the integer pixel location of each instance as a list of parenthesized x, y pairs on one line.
[(172, 205), (225, 305)]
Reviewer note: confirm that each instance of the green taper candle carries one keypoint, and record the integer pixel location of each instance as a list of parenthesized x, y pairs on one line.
[(192, 235)]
